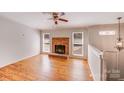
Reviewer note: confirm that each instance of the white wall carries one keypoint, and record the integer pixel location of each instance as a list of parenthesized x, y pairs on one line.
[(17, 42), (102, 42), (68, 33)]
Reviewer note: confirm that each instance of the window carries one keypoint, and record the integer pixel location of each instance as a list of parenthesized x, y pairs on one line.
[(77, 43), (46, 42), (103, 33)]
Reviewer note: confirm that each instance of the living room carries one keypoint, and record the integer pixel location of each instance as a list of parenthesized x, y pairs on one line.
[(60, 46)]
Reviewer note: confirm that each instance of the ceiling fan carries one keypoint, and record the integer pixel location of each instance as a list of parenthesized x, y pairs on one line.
[(56, 17)]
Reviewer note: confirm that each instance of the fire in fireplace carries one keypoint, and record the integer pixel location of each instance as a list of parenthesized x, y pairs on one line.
[(60, 49)]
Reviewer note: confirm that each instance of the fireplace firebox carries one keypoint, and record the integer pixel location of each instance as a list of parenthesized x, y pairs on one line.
[(60, 49)]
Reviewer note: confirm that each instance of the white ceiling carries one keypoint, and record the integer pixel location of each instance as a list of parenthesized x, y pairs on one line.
[(39, 20)]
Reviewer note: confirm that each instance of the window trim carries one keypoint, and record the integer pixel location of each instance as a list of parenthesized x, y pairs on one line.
[(107, 33), (81, 44), (44, 43)]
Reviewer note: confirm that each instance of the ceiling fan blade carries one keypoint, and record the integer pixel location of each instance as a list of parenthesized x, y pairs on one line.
[(63, 20), (62, 13)]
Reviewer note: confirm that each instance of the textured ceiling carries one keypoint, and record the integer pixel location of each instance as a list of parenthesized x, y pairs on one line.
[(39, 20)]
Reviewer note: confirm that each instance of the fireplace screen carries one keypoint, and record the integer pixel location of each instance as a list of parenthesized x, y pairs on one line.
[(60, 49)]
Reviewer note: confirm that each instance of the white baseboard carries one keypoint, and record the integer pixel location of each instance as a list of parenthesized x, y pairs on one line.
[(18, 60)]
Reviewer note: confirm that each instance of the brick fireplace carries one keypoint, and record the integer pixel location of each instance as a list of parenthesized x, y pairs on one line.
[(60, 45)]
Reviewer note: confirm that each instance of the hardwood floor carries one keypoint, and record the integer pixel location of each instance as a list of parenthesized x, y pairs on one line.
[(44, 67)]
